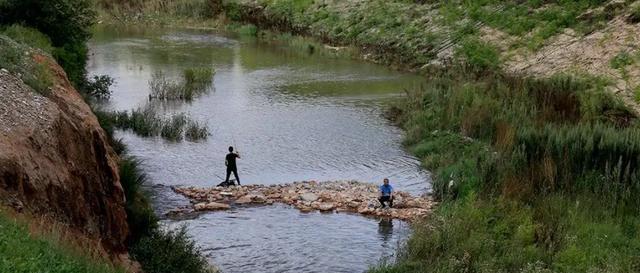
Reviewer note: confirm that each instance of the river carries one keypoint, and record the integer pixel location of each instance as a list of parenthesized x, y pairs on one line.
[(293, 116)]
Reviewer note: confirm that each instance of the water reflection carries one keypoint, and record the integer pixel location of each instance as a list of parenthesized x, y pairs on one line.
[(385, 229)]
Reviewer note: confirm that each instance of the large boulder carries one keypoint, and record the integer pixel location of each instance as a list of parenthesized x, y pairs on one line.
[(308, 197)]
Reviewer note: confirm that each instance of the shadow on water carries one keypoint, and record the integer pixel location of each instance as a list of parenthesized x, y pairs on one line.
[(293, 117)]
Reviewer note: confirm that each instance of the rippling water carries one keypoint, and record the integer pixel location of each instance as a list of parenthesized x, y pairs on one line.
[(292, 116)]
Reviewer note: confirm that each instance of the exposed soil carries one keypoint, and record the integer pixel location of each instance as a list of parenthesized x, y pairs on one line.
[(55, 160)]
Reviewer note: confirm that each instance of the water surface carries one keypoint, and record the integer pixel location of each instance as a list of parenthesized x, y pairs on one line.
[(293, 116)]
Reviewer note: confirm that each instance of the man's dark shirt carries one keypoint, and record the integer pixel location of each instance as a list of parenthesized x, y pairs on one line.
[(231, 160)]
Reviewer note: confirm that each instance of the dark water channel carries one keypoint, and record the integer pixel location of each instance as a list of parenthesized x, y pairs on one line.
[(293, 116)]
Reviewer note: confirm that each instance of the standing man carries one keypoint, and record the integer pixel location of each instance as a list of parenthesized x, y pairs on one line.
[(386, 193), (230, 161)]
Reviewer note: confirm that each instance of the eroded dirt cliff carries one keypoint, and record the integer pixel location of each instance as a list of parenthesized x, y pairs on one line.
[(55, 160)]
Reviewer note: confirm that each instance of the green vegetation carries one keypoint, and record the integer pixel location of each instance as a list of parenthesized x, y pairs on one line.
[(67, 23), (534, 176), (170, 252), (412, 33), (157, 250), (61, 28), (140, 216), (28, 36), (146, 122), (160, 12), (18, 59), (621, 60), (196, 81), (24, 252)]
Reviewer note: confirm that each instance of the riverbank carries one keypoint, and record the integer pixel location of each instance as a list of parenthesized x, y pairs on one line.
[(533, 39), (307, 196), (535, 175)]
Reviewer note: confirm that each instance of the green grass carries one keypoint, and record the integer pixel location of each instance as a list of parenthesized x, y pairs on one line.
[(23, 252), (18, 59), (28, 36), (170, 252), (534, 175), (621, 60)]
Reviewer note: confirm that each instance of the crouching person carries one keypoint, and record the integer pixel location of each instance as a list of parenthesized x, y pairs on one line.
[(386, 193)]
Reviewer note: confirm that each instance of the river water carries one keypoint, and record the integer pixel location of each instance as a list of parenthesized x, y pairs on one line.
[(293, 116)]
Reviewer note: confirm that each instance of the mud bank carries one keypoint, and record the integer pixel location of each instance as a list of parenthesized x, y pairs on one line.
[(308, 196)]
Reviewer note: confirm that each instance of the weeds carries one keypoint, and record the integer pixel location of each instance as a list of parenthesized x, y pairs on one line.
[(28, 36), (146, 122), (24, 250), (195, 131), (533, 174), (621, 60), (195, 81), (170, 252), (18, 60), (141, 218)]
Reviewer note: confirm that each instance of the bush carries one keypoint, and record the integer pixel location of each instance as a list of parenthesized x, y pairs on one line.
[(169, 252), (621, 60), (99, 87), (480, 56), (66, 22)]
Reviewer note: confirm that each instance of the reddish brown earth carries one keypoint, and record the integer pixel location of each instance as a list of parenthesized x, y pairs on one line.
[(55, 160)]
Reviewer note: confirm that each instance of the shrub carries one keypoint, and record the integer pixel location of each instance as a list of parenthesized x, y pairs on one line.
[(480, 56), (195, 131), (169, 252), (99, 87), (621, 60)]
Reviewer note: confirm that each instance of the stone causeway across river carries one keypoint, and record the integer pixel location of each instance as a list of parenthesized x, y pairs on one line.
[(308, 196)]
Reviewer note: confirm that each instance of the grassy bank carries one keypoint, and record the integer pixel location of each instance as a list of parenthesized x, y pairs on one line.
[(25, 248), (534, 175)]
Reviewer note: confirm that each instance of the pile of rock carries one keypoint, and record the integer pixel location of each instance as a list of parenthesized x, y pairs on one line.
[(307, 196)]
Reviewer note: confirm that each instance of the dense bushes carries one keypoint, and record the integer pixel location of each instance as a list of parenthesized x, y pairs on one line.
[(535, 175), (66, 22)]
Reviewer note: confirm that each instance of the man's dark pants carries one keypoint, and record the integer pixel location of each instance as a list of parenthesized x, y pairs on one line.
[(235, 173), (383, 199)]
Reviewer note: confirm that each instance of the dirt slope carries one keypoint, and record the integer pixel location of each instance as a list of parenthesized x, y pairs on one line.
[(55, 160)]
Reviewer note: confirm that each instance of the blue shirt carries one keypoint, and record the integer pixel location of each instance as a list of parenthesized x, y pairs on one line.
[(386, 190)]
